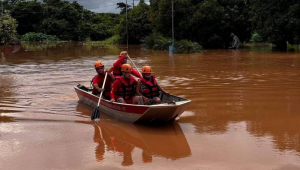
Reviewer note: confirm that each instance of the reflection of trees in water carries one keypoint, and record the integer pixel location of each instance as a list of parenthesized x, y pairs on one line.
[(62, 51), (261, 122), (7, 100), (285, 130)]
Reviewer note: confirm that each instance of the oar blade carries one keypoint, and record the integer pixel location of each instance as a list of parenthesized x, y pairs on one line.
[(96, 114)]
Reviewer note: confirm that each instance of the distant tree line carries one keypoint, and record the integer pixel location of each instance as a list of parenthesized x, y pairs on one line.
[(207, 22)]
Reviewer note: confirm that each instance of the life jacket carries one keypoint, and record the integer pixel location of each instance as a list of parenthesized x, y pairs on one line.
[(117, 71), (151, 89), (126, 90)]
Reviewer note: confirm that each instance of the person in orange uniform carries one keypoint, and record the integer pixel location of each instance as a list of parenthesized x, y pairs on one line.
[(97, 81), (116, 69), (123, 89), (148, 88)]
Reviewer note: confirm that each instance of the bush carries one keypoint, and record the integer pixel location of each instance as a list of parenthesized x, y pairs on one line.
[(158, 42), (185, 46), (34, 37), (255, 38), (7, 28)]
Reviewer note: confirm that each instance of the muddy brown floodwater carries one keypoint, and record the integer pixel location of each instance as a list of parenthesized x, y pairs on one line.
[(244, 114)]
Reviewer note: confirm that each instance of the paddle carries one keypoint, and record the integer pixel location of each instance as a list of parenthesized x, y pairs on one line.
[(96, 113), (134, 65)]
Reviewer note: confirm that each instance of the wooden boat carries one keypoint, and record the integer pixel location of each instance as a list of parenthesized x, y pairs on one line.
[(170, 108)]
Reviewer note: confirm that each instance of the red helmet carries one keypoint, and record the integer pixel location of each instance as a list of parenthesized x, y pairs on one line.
[(98, 64), (126, 68)]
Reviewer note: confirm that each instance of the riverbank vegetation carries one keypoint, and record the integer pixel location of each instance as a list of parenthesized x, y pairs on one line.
[(201, 23)]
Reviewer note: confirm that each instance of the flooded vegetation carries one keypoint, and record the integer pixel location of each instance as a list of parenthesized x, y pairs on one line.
[(244, 111)]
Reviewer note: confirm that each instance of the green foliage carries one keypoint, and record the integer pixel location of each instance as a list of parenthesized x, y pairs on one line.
[(208, 22), (7, 28), (110, 41), (277, 21), (138, 24), (158, 42), (185, 46), (37, 46), (256, 38), (113, 40), (29, 14), (161, 43), (68, 21), (36, 37), (103, 26)]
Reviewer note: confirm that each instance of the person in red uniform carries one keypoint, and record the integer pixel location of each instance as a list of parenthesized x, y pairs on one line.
[(97, 81), (148, 88), (123, 89), (116, 69)]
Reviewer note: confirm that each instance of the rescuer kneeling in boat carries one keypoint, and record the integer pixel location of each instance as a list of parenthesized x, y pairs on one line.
[(116, 69), (148, 88), (123, 89), (97, 81)]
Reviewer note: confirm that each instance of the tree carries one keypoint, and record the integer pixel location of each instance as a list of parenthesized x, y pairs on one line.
[(122, 6), (28, 14), (277, 21), (7, 28), (103, 25), (138, 24)]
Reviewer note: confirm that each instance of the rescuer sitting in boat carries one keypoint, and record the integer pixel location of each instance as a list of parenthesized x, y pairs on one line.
[(148, 88), (116, 69), (97, 81), (123, 88)]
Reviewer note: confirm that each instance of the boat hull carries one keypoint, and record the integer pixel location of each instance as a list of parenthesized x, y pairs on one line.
[(161, 113)]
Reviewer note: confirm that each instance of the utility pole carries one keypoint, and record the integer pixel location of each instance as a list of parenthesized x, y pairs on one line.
[(133, 3), (172, 24), (126, 26), (2, 7)]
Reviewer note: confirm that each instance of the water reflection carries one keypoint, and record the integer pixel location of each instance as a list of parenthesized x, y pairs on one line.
[(122, 139), (7, 92), (119, 138)]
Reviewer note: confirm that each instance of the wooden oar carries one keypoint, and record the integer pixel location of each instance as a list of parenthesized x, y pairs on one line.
[(96, 113), (134, 65)]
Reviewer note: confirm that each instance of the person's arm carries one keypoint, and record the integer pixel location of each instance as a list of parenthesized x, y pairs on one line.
[(112, 78), (136, 73), (118, 62), (111, 69), (96, 85), (161, 89), (113, 91)]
